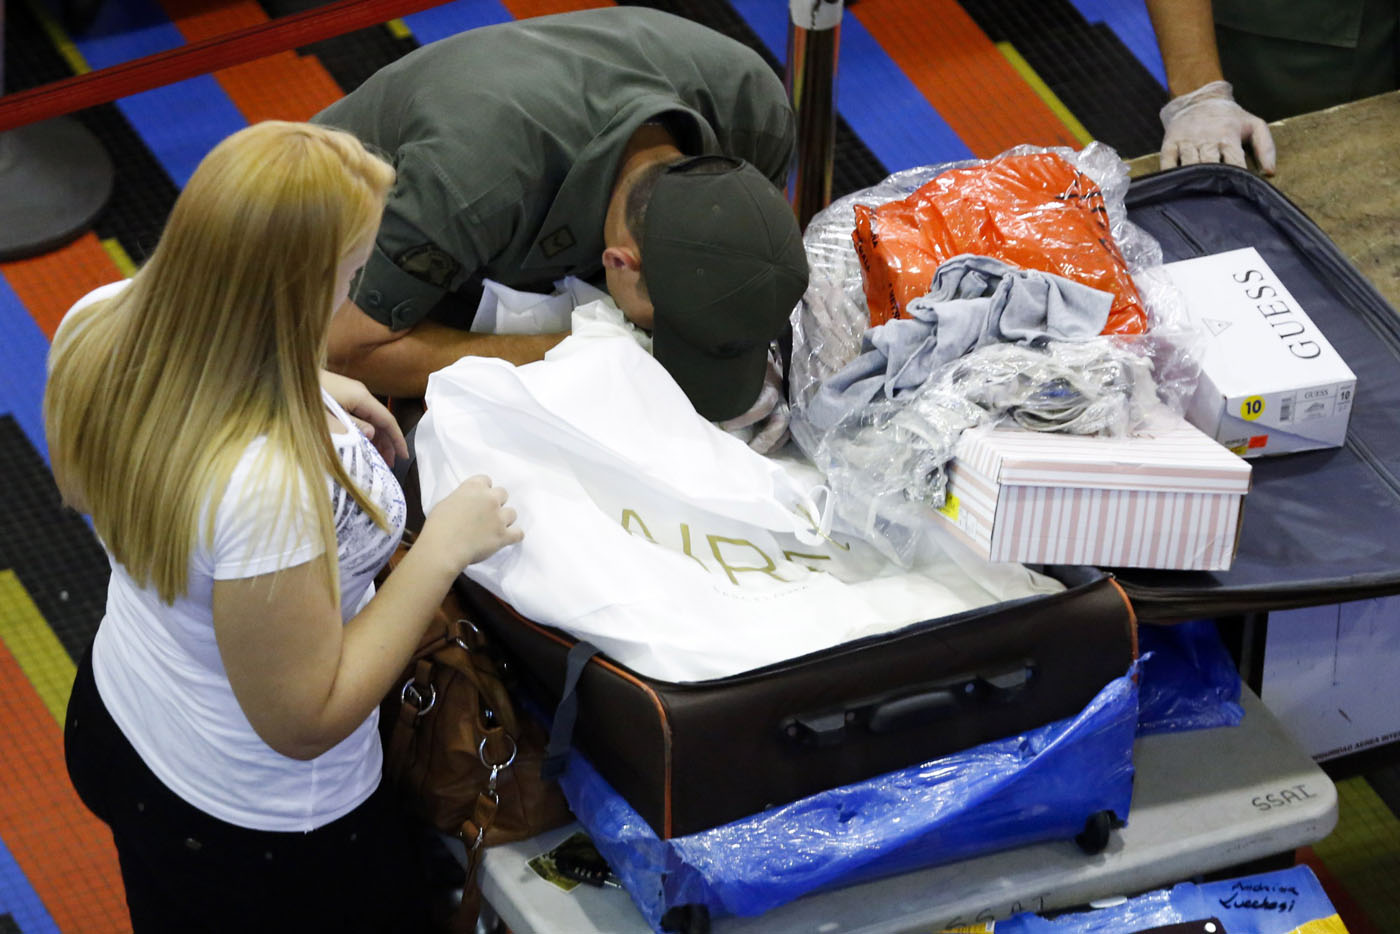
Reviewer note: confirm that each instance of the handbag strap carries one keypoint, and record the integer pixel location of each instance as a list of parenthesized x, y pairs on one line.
[(416, 698), (561, 731), (473, 834), (474, 828)]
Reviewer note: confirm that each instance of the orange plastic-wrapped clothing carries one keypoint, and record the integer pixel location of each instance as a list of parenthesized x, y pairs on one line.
[(1035, 211)]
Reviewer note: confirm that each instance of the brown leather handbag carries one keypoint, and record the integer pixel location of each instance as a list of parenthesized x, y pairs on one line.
[(459, 754)]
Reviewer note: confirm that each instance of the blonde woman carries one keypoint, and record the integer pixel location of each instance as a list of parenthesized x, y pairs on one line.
[(223, 723)]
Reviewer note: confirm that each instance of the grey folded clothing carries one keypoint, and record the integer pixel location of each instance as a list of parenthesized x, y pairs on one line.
[(973, 301)]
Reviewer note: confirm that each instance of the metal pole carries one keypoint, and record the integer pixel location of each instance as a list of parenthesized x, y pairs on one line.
[(814, 31)]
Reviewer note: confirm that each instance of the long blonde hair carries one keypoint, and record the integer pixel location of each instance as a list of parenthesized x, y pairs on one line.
[(156, 393)]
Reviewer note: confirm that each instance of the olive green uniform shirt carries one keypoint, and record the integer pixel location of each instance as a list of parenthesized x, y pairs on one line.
[(507, 141), (1287, 57)]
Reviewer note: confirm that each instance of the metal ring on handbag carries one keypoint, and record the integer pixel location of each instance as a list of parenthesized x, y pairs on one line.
[(411, 688), (481, 753)]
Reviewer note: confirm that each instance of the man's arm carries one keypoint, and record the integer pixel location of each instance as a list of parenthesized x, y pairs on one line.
[(1202, 122), (1186, 38), (397, 363)]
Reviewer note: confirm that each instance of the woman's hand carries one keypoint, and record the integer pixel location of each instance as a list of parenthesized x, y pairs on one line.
[(369, 414), (470, 524)]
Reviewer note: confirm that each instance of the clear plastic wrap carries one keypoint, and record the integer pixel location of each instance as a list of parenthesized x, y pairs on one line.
[(1038, 786), (1033, 210), (884, 459), (833, 314), (887, 459)]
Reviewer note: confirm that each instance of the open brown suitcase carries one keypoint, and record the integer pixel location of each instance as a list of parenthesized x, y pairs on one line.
[(692, 756)]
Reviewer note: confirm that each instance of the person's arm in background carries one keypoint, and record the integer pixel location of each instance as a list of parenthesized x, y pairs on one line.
[(397, 363), (1202, 122)]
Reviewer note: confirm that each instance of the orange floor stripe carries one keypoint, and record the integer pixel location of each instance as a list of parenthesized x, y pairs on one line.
[(48, 285), (66, 854), (284, 86), (523, 9), (961, 72)]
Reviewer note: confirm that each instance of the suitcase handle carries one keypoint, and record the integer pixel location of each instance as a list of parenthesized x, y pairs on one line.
[(889, 713)]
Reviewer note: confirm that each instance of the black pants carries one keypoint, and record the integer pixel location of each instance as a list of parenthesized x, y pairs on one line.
[(186, 872)]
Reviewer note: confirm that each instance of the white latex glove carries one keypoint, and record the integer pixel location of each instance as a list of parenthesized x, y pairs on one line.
[(1207, 125), (764, 427)]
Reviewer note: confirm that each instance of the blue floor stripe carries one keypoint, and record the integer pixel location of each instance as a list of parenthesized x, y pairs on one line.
[(1129, 21), (18, 899), (180, 122), (452, 18), (881, 106), (23, 352)]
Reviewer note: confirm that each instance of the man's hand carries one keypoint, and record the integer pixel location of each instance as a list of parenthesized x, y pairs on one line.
[(369, 415), (1207, 125), (766, 421)]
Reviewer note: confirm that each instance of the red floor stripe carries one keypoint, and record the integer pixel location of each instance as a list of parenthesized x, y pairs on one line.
[(48, 285), (283, 86), (152, 71), (66, 854), (523, 9), (963, 74)]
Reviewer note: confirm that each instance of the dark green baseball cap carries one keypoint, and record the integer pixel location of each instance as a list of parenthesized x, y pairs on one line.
[(724, 265)]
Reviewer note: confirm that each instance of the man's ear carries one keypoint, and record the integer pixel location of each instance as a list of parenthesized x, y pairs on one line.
[(621, 257)]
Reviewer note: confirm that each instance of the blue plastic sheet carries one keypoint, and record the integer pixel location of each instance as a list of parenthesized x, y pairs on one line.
[(1280, 902), (1189, 680), (1041, 785)]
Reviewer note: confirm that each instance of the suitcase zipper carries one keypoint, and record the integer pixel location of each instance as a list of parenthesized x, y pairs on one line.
[(1363, 451), (1166, 214)]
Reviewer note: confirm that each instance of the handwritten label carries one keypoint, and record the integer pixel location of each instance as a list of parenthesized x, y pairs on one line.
[(1261, 896), (987, 917)]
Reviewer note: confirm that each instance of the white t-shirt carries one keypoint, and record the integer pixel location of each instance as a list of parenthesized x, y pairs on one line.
[(159, 671)]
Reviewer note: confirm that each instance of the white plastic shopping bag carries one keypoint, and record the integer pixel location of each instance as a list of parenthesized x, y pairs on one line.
[(658, 537)]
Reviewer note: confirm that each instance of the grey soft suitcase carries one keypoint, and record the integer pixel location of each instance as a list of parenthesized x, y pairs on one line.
[(1319, 526)]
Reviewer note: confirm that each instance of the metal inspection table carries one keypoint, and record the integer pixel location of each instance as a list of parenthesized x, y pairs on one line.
[(1202, 800)]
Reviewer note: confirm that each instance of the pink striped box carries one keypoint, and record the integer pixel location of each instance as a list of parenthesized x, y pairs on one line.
[(1169, 498)]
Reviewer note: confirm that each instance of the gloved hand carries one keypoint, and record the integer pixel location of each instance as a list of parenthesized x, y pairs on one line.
[(1207, 125), (765, 425)]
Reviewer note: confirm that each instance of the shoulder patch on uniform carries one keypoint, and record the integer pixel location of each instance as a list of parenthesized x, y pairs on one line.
[(429, 262), (556, 242)]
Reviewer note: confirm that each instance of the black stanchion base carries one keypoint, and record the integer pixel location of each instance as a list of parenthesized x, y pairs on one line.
[(55, 178)]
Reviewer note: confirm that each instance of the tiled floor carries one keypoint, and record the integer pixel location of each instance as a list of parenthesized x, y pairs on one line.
[(920, 82)]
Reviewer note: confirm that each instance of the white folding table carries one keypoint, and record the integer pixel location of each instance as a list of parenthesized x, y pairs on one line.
[(1202, 801)]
